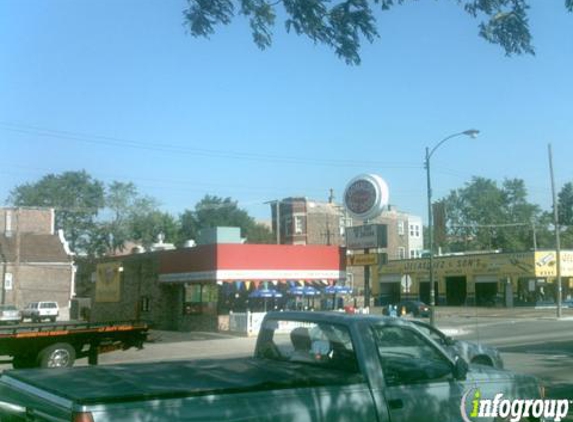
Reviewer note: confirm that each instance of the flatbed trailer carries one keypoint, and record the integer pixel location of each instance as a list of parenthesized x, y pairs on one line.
[(60, 344)]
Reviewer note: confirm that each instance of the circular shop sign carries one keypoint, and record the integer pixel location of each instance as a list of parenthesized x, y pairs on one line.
[(365, 196)]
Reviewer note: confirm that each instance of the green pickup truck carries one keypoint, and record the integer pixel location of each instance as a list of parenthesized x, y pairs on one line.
[(307, 366)]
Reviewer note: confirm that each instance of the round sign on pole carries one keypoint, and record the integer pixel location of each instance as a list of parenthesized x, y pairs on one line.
[(365, 196)]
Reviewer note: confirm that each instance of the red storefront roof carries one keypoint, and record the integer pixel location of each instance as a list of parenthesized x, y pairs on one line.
[(230, 262)]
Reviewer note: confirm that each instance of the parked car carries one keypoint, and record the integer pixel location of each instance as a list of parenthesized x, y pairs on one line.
[(9, 313), (471, 352), (414, 307), (37, 311)]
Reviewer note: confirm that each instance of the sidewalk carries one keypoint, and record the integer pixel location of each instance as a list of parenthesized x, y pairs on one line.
[(444, 312)]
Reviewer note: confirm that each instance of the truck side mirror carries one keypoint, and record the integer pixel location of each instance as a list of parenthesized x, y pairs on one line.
[(448, 341), (460, 369)]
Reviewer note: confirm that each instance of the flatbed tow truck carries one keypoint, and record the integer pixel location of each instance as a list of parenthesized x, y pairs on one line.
[(59, 344)]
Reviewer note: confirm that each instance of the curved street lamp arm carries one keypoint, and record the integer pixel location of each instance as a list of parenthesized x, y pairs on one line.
[(471, 133)]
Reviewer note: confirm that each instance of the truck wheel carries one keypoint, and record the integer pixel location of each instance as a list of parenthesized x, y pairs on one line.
[(53, 319), (22, 362), (59, 355)]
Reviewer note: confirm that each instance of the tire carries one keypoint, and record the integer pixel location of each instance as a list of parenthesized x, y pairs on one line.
[(23, 362), (59, 355), (482, 360), (53, 319)]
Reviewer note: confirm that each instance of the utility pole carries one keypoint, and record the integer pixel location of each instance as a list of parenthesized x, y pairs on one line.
[(3, 280), (278, 226), (17, 285), (557, 238)]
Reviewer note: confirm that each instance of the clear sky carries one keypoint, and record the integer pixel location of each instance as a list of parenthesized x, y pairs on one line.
[(120, 89)]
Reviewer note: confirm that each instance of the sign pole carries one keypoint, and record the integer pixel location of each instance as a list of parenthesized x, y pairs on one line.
[(364, 198)]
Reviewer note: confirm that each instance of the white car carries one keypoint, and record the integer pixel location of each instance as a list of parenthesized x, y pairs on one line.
[(37, 311), (8, 314)]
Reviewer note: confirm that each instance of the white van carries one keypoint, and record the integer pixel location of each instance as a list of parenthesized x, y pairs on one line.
[(37, 311)]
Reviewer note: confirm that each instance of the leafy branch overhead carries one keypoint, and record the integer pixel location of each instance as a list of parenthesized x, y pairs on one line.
[(343, 25)]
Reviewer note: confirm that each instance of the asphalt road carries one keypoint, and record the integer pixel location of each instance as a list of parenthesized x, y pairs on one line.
[(542, 347)]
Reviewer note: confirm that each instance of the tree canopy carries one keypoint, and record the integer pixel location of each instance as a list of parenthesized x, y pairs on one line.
[(214, 211), (99, 220), (344, 25), (76, 197), (485, 216), (123, 207)]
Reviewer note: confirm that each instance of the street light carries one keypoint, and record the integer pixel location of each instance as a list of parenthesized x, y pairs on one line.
[(472, 133), (277, 203)]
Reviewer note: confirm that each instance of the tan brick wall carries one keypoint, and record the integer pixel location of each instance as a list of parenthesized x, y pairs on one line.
[(34, 283), (139, 279), (323, 227), (29, 220)]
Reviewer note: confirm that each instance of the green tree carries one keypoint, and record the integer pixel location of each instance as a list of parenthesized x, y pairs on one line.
[(214, 211), (484, 216), (146, 228), (343, 25), (565, 204), (565, 214), (123, 205), (76, 197), (188, 228)]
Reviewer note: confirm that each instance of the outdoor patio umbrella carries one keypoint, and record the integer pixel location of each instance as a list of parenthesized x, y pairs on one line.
[(265, 294), (337, 289), (306, 291)]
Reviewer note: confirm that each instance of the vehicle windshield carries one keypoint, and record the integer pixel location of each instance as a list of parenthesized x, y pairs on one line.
[(8, 308)]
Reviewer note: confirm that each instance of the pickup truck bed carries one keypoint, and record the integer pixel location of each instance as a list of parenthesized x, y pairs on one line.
[(174, 379)]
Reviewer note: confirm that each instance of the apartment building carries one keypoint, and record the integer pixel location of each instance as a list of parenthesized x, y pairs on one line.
[(302, 221), (35, 261)]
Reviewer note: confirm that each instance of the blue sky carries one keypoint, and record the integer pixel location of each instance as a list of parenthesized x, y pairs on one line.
[(120, 89)]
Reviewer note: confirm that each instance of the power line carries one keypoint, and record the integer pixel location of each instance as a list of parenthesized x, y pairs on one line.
[(479, 226), (202, 152)]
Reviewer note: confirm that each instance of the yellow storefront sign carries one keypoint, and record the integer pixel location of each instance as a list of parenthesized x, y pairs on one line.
[(361, 260), (546, 263), (107, 287), (525, 264)]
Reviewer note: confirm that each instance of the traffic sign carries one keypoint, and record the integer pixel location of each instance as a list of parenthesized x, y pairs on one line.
[(361, 260)]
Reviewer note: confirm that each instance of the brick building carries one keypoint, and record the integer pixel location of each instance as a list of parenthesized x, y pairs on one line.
[(196, 288), (302, 221), (35, 261), (306, 222)]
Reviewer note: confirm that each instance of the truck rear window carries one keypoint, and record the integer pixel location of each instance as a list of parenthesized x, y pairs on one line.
[(310, 343)]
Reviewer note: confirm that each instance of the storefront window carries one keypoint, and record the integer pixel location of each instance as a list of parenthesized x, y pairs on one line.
[(200, 298), (145, 304)]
